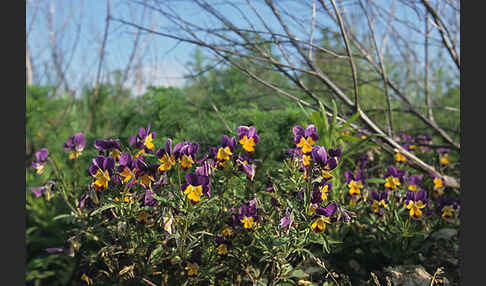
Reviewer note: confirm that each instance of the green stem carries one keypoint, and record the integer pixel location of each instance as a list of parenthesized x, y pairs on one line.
[(64, 188)]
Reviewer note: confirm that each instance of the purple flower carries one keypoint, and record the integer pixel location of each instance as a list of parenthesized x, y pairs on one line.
[(320, 191), (447, 207), (223, 245), (102, 170), (108, 147), (247, 167), (148, 199), (355, 181), (393, 177), (166, 157), (38, 191), (414, 182), (248, 215), (415, 201), (195, 186), (40, 160), (327, 161), (248, 138), (225, 151), (75, 145), (143, 140), (286, 221), (305, 138), (144, 173), (323, 216), (185, 153), (379, 201), (127, 168), (54, 250)]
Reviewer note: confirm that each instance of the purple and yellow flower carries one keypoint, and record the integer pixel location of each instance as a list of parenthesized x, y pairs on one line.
[(438, 185), (195, 186), (223, 244), (326, 162), (225, 151), (40, 160), (448, 207), (127, 168), (355, 181), (320, 191), (192, 266), (75, 145), (415, 202), (323, 217), (148, 199), (379, 201), (399, 158), (248, 215), (393, 177), (143, 141), (102, 170), (109, 147), (244, 164), (185, 153), (166, 157), (248, 137), (414, 182), (145, 174), (305, 138)]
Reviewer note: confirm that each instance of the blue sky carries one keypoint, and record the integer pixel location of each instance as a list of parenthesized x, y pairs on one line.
[(164, 59)]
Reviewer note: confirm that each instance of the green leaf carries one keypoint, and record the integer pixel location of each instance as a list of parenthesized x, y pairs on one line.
[(298, 273), (349, 121), (61, 216), (103, 208), (376, 180), (324, 118)]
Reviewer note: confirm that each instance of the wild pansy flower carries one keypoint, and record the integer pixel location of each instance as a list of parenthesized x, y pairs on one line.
[(75, 145), (248, 138), (127, 168), (143, 141), (38, 191), (225, 151), (286, 221), (448, 207), (102, 170), (438, 185), (415, 202), (192, 266), (185, 153), (444, 156), (144, 173), (414, 182), (108, 147), (248, 215), (223, 245), (323, 217), (245, 166), (379, 201), (305, 138), (166, 157), (393, 177), (325, 162), (355, 181), (399, 158), (320, 191), (40, 160), (227, 231), (148, 200), (195, 186)]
